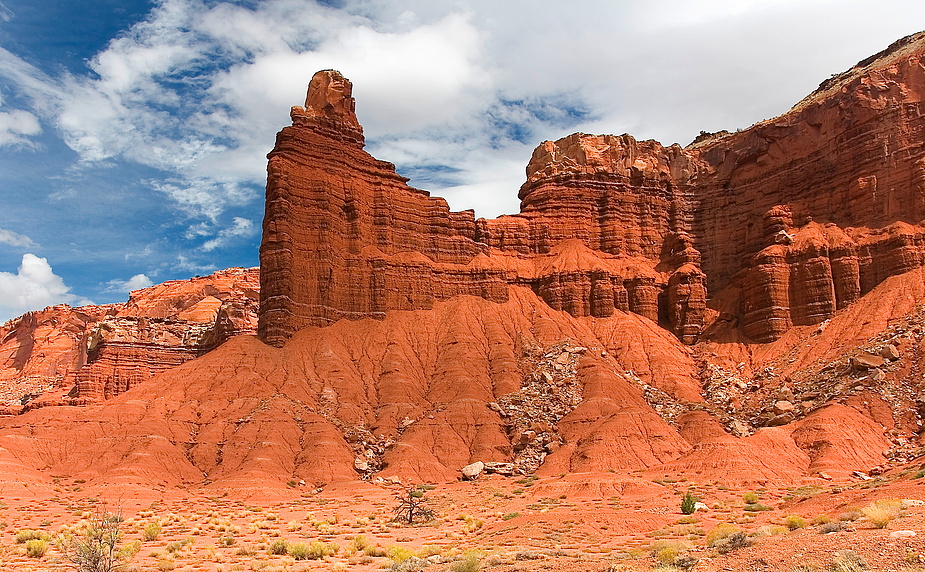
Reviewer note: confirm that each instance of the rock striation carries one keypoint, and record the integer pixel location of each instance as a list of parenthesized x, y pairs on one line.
[(79, 355), (793, 218)]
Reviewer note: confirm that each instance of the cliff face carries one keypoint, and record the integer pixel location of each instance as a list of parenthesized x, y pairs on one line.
[(78, 355), (604, 227), (800, 215)]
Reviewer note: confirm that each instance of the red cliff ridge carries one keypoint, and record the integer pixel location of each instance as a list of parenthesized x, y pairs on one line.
[(748, 308), (78, 355), (799, 215)]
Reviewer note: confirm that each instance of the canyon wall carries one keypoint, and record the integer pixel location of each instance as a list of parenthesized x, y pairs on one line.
[(78, 355), (800, 215)]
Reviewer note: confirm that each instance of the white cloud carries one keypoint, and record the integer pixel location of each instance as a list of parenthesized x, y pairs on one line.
[(136, 282), (16, 126), (241, 227), (14, 239), (457, 94), (33, 287)]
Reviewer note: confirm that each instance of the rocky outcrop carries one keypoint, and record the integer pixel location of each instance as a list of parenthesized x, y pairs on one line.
[(345, 237), (77, 355), (800, 214)]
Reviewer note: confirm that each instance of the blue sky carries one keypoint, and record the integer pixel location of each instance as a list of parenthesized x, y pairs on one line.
[(133, 133)]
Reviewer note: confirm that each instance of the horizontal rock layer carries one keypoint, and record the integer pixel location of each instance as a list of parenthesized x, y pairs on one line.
[(659, 229), (76, 355)]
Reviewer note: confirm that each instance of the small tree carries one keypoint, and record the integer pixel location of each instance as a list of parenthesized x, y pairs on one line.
[(96, 550), (688, 503), (412, 507)]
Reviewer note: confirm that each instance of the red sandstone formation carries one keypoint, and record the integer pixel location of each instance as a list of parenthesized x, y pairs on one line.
[(97, 351), (801, 214), (750, 308)]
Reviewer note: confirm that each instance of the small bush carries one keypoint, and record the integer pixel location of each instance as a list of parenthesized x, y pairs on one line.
[(510, 515), (128, 550), (822, 519), (688, 503), (667, 551), (470, 563), (36, 547), (770, 530), (359, 543), (750, 498), (757, 507), (28, 534), (721, 531), (152, 531), (794, 521), (829, 527), (732, 542), (226, 540), (279, 547), (299, 550), (399, 554), (848, 561), (850, 515), (318, 550), (881, 512), (687, 520), (413, 564)]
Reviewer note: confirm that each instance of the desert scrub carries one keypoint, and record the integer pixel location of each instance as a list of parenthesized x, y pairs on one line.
[(28, 534), (727, 537), (794, 521), (152, 531), (667, 551), (881, 512), (848, 561), (227, 540), (750, 498), (770, 530), (757, 507), (279, 547), (399, 554), (318, 550), (510, 515), (689, 503), (471, 562), (36, 547)]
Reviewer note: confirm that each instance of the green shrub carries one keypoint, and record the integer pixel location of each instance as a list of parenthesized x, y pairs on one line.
[(298, 550), (28, 534), (400, 553), (152, 531), (279, 547), (688, 503), (36, 547), (721, 531), (757, 507), (750, 498), (794, 521), (318, 550), (359, 543), (510, 515)]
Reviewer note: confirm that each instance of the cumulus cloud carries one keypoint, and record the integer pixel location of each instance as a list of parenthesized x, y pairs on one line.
[(33, 287), (15, 239), (136, 282), (456, 93)]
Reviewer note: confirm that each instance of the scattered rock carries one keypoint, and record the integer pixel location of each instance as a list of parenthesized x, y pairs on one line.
[(903, 534), (866, 360), (473, 471), (890, 352)]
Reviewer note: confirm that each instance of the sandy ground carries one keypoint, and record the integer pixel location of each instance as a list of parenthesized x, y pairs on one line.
[(573, 522)]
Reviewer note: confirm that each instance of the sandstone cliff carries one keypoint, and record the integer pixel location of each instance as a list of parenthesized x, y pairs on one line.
[(798, 215), (77, 355)]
